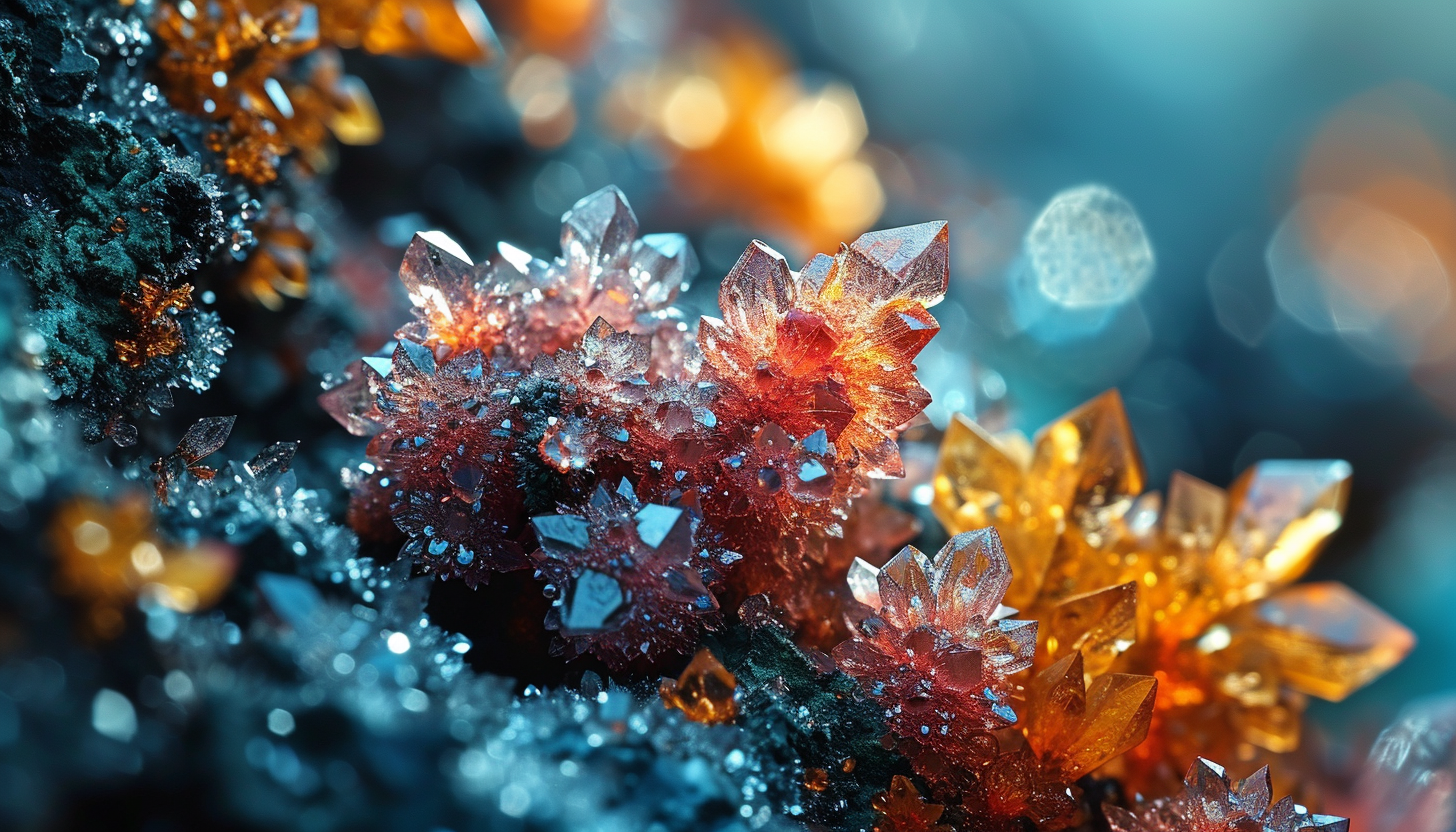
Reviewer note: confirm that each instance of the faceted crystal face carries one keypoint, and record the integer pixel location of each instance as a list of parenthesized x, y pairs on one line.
[(1074, 729), (835, 355), (1083, 474), (625, 587), (522, 307), (1194, 588), (525, 387), (1211, 803), (932, 653), (1328, 640), (705, 692)]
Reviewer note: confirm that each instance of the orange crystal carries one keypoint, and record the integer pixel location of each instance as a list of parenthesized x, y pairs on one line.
[(705, 692), (241, 66), (1193, 590), (901, 808), (278, 265), (155, 308)]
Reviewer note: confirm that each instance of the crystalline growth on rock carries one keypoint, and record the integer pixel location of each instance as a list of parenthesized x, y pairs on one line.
[(1210, 803), (623, 580), (448, 436), (1195, 588), (832, 347), (934, 656), (520, 307), (1082, 472)]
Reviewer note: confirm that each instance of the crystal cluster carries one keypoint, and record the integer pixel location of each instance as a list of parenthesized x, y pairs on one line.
[(938, 653), (1210, 803), (267, 73), (935, 651), (1196, 588), (524, 387)]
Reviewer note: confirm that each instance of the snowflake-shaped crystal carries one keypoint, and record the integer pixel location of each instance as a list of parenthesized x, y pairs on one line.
[(1210, 803), (935, 655)]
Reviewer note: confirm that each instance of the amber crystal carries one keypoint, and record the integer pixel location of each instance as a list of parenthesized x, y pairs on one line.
[(455, 30), (705, 691), (1073, 729), (154, 307), (277, 267), (109, 553), (901, 808), (934, 654), (1210, 803), (1194, 590), (1080, 476), (261, 75)]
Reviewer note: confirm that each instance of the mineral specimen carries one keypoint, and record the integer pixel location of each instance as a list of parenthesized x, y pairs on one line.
[(704, 692), (934, 653), (1195, 590), (1210, 803), (566, 376)]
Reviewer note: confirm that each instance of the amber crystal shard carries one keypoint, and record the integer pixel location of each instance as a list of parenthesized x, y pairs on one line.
[(1195, 589), (1210, 803), (154, 307), (1074, 729), (1080, 475), (705, 691), (258, 71), (204, 438), (901, 808), (622, 577), (933, 653)]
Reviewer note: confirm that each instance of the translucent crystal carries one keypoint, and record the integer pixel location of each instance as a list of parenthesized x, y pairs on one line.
[(705, 691), (1329, 641), (1210, 803), (631, 592), (933, 655), (1074, 729)]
